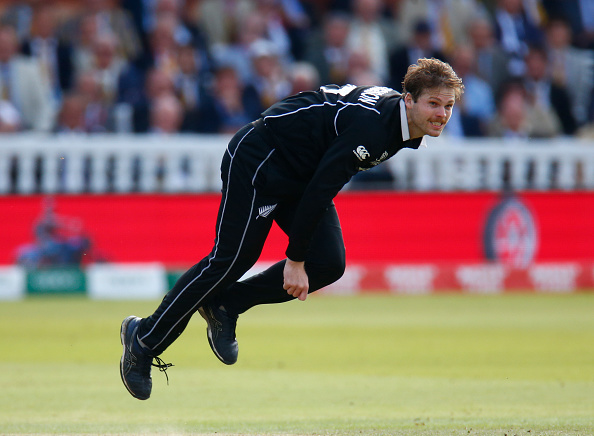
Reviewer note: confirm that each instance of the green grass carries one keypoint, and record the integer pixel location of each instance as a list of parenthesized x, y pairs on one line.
[(376, 365)]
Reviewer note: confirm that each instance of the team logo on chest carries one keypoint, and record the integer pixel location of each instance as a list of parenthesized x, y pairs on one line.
[(361, 153)]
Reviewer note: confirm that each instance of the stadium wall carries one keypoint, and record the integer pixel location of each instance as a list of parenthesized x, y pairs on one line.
[(401, 242)]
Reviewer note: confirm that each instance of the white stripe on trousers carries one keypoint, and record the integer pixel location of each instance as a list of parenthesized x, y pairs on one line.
[(192, 309)]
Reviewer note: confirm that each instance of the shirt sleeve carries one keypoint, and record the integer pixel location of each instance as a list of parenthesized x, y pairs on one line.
[(361, 138)]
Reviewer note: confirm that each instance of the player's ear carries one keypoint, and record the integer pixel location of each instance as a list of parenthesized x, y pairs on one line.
[(408, 100)]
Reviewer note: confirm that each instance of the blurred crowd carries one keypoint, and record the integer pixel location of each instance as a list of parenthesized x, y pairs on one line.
[(210, 66)]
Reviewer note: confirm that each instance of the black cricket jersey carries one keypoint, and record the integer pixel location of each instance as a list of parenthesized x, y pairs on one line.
[(322, 139)]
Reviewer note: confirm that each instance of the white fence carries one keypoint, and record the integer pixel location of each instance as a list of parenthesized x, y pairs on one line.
[(190, 163), (110, 163)]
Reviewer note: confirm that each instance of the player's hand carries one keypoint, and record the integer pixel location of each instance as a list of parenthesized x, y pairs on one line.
[(296, 281)]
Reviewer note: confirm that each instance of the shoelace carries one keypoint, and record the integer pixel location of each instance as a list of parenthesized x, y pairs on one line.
[(162, 366), (230, 322)]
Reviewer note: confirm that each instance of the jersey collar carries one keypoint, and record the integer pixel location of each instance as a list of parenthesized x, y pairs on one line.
[(404, 125)]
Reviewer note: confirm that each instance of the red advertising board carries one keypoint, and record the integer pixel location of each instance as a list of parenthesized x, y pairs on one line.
[(377, 226)]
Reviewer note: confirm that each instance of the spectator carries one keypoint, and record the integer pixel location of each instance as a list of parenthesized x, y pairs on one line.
[(107, 66), (360, 71), (221, 19), (297, 25), (571, 67), (518, 119), (138, 11), (492, 60), (180, 16), (237, 53), (546, 94), (182, 34), (269, 79), (23, 85), (86, 35), (71, 117), (236, 103), (304, 77), (516, 29), (584, 34), (97, 112), (477, 106), (158, 83), (327, 49), (19, 15), (420, 46), (163, 46), (54, 55), (191, 87), (275, 20), (448, 20), (157, 100), (369, 34), (166, 115), (107, 19), (579, 14), (71, 120)]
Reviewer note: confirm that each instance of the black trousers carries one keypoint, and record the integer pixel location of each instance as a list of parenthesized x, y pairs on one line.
[(244, 220)]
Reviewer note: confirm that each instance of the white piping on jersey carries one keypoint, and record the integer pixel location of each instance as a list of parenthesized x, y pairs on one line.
[(229, 151), (214, 252), (324, 104), (301, 109), (260, 166), (404, 121), (347, 105)]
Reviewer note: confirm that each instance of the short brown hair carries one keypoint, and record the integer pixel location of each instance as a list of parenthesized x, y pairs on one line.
[(431, 73)]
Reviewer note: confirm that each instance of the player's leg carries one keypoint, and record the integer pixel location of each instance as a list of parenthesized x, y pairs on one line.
[(240, 236), (238, 243), (324, 265)]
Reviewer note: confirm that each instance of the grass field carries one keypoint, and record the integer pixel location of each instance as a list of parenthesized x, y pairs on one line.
[(376, 365)]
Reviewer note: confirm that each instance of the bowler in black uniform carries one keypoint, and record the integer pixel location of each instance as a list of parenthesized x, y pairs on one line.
[(287, 167)]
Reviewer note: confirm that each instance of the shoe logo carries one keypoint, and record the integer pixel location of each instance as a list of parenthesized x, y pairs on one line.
[(361, 153), (264, 211)]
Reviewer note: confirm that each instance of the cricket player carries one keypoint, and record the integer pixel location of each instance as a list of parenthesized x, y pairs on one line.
[(287, 167)]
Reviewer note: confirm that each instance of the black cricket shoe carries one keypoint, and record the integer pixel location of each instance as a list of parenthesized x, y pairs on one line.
[(221, 333), (135, 365)]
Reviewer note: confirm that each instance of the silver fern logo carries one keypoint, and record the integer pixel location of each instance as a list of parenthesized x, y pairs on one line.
[(264, 211)]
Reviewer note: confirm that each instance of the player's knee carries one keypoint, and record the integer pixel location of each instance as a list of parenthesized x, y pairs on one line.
[(337, 269), (328, 272)]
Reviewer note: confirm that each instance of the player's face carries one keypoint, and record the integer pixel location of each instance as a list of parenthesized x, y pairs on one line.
[(431, 112)]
